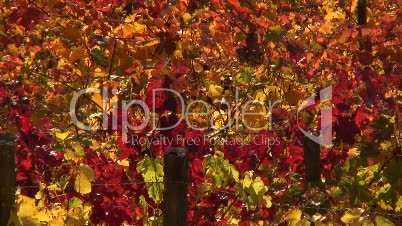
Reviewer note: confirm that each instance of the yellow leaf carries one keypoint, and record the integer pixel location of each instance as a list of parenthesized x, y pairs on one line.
[(43, 216), (130, 19), (273, 92), (267, 200), (326, 28), (87, 210), (82, 184), (382, 221), (128, 31), (75, 155), (12, 48), (215, 91), (151, 43), (62, 63), (187, 17), (334, 15), (353, 216), (31, 215), (367, 223), (98, 99), (26, 210), (95, 144), (83, 180), (87, 170), (260, 96), (294, 95), (386, 145), (294, 216), (62, 136), (178, 54), (26, 206), (260, 72), (124, 163), (72, 156), (55, 215), (78, 148), (398, 204), (18, 31), (254, 115), (304, 222), (39, 194), (384, 205), (54, 187)]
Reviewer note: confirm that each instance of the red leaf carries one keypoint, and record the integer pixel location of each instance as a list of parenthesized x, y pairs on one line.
[(362, 118), (179, 68), (346, 129), (155, 98), (25, 124)]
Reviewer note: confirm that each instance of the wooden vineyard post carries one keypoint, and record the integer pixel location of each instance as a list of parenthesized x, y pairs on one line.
[(7, 175), (361, 12), (311, 161), (175, 204)]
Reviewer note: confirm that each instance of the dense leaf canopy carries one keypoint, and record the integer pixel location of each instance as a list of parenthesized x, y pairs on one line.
[(230, 54)]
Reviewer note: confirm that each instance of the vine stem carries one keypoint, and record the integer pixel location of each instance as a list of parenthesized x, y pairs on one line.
[(237, 196), (111, 60), (230, 206), (380, 170)]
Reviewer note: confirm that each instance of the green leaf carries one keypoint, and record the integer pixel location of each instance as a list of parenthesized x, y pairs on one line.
[(315, 46), (219, 170), (245, 75), (100, 39), (353, 216), (75, 203), (336, 193), (367, 223), (275, 34), (152, 172), (383, 190), (99, 57), (382, 221), (254, 190)]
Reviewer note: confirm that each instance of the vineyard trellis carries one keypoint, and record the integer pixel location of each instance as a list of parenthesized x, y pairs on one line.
[(268, 50)]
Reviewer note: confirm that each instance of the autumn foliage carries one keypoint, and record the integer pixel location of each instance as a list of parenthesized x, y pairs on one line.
[(211, 51)]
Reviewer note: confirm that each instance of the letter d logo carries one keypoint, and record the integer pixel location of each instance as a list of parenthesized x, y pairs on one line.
[(325, 135)]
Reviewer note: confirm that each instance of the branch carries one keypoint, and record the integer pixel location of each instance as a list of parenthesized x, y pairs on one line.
[(111, 60)]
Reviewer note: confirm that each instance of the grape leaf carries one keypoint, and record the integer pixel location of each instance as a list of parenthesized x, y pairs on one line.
[(99, 57), (294, 216), (219, 170), (62, 136), (83, 179), (382, 221), (152, 172)]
